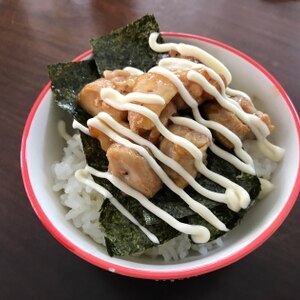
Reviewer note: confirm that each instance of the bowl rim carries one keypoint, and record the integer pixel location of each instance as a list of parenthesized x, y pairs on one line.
[(160, 274)]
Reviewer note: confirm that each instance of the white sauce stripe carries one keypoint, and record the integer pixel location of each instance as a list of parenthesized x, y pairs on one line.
[(190, 50), (176, 64), (82, 176), (272, 151), (198, 232), (79, 126), (233, 92), (143, 98), (237, 198)]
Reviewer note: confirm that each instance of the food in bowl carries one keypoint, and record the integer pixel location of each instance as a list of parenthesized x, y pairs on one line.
[(160, 165)]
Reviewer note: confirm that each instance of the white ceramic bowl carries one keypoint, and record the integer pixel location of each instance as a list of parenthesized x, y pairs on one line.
[(41, 146)]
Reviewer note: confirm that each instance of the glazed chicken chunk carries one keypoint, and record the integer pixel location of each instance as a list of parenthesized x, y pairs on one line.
[(122, 80), (154, 135), (89, 99), (133, 169), (150, 83), (215, 112), (180, 155)]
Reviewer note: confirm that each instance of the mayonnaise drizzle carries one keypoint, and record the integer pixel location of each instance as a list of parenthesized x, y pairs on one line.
[(79, 126), (190, 50), (199, 234), (143, 98), (233, 92), (82, 176)]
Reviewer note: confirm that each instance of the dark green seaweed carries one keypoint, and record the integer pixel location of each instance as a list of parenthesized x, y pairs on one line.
[(122, 236), (123, 47), (127, 46), (67, 79)]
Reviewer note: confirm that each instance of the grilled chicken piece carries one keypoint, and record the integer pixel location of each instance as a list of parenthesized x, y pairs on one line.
[(179, 154), (215, 112), (153, 84), (180, 103), (122, 80), (132, 168), (167, 112), (195, 90), (89, 99)]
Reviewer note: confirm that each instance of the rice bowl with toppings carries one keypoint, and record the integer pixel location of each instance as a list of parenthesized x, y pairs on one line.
[(195, 259)]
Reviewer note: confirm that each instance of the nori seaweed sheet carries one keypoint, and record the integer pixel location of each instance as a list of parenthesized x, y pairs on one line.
[(129, 46), (67, 79)]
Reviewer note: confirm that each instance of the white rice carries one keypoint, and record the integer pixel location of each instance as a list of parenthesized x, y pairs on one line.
[(84, 204)]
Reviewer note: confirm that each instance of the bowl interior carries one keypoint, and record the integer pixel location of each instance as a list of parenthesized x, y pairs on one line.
[(42, 146)]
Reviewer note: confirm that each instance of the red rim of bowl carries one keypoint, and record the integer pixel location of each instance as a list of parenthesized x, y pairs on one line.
[(150, 274)]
